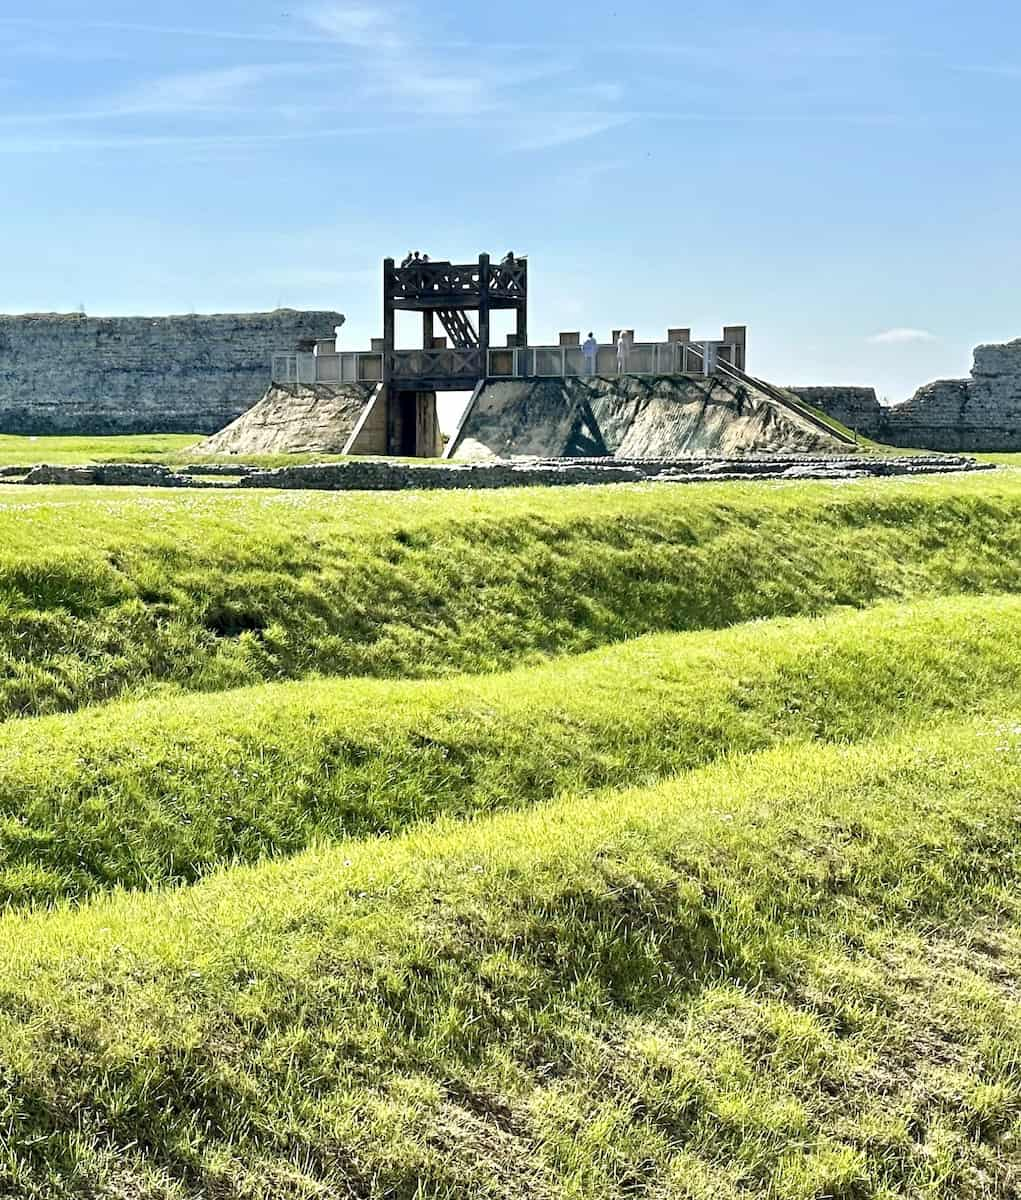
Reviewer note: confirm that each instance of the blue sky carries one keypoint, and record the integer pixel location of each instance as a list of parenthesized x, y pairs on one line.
[(843, 179)]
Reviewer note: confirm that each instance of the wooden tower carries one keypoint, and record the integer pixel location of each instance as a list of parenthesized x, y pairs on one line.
[(462, 297)]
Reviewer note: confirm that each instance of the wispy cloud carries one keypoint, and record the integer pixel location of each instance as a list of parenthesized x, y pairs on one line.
[(289, 31), (548, 132), (213, 92), (405, 71), (400, 70), (361, 26), (277, 35), (202, 91), (392, 67), (69, 143), (901, 337)]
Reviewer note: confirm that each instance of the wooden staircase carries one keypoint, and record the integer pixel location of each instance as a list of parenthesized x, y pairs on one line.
[(459, 329)]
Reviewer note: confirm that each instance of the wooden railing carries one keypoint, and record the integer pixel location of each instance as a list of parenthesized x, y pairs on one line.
[(430, 279), (643, 358), (349, 367), (440, 364), (465, 364), (428, 282)]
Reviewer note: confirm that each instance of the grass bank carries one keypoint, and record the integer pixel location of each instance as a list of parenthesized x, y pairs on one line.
[(163, 791), (787, 975), (108, 591)]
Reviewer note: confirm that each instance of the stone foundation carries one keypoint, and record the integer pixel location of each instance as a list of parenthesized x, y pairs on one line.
[(375, 475)]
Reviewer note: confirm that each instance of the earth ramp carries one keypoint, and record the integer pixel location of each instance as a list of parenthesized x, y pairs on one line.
[(634, 417), (295, 418)]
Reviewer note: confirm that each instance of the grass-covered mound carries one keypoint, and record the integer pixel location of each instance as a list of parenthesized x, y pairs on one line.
[(790, 975), (163, 790), (109, 591)]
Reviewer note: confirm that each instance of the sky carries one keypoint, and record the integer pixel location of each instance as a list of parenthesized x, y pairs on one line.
[(843, 179)]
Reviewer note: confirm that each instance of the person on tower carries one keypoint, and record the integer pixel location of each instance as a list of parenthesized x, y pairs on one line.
[(591, 351), (623, 350)]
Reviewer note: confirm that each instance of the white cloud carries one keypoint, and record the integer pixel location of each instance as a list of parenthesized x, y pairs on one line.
[(359, 25), (901, 337)]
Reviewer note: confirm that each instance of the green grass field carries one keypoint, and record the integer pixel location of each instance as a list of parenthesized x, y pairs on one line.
[(170, 449), (71, 451), (584, 843)]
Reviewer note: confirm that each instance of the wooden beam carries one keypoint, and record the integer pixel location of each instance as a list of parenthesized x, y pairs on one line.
[(389, 322), (484, 310)]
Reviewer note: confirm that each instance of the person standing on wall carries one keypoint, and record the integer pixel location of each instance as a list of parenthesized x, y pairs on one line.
[(623, 348), (591, 351)]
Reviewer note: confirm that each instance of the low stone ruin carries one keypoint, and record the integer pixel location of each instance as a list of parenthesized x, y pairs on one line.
[(379, 475), (979, 413)]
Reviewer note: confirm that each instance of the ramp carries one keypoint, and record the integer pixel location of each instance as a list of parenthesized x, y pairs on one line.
[(636, 417), (293, 418)]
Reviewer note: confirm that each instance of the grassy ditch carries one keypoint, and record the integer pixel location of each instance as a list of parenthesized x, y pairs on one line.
[(105, 592), (791, 975), (162, 791)]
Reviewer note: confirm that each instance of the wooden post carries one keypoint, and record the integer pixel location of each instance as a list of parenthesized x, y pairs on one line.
[(427, 329), (389, 326), (484, 312), (522, 326)]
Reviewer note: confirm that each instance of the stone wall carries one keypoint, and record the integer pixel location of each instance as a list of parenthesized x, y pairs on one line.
[(980, 413), (856, 407), (69, 374)]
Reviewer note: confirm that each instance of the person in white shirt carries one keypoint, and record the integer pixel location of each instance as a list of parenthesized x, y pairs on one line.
[(623, 347), (591, 351)]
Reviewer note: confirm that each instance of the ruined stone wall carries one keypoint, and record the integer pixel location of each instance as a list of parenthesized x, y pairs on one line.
[(69, 374), (856, 407), (980, 413)]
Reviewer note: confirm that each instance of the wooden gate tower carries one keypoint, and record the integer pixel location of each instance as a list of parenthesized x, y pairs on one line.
[(462, 297)]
